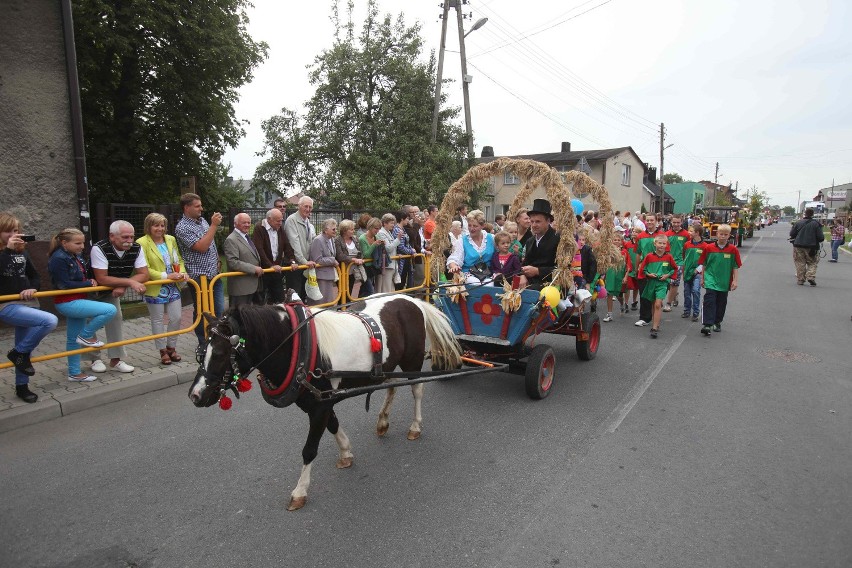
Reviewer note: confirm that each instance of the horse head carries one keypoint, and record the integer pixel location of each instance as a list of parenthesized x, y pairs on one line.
[(222, 360)]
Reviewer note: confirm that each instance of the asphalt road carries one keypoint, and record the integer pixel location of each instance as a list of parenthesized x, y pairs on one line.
[(732, 450)]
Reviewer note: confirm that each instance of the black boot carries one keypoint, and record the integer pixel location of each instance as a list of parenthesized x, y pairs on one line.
[(21, 361), (24, 393)]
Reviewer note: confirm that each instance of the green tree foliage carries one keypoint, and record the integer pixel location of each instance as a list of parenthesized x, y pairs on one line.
[(672, 178), (365, 138), (789, 210), (158, 81)]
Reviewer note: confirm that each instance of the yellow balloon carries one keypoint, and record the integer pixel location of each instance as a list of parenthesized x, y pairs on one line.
[(551, 294)]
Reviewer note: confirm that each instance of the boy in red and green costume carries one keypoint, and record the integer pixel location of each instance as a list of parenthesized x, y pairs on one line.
[(720, 262), (644, 246), (631, 234), (678, 237), (616, 276), (656, 269), (691, 278)]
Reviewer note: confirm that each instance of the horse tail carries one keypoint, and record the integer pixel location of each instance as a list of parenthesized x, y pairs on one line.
[(445, 350)]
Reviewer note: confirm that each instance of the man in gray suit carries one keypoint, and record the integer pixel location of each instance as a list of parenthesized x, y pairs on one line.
[(242, 256), (300, 233)]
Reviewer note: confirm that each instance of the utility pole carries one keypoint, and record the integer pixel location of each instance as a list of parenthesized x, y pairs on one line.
[(446, 7), (663, 147), (465, 80), (716, 179)]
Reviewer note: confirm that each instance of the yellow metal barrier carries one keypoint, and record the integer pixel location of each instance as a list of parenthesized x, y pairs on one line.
[(344, 271), (270, 271), (52, 293)]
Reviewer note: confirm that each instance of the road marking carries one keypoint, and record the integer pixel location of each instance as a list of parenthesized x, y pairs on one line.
[(752, 248), (621, 412)]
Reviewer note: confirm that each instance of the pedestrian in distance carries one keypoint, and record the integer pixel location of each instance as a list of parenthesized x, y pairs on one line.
[(656, 269), (164, 263), (196, 240), (691, 271), (68, 270), (838, 235), (19, 277), (806, 236), (242, 256), (117, 261), (719, 268)]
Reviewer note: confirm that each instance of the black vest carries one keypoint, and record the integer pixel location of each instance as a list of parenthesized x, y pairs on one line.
[(119, 267)]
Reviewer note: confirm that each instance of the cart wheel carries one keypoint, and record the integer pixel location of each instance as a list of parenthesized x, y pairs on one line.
[(540, 369), (586, 350)]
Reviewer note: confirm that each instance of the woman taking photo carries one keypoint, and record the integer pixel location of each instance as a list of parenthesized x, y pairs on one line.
[(322, 253), (18, 277), (164, 262), (68, 271), (347, 249)]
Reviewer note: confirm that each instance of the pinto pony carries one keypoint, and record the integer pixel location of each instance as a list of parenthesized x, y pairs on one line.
[(278, 344)]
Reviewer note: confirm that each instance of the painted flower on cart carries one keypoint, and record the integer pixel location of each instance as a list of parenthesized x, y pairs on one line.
[(487, 309)]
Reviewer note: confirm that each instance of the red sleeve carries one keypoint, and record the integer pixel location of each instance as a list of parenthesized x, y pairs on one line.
[(641, 273), (736, 252), (626, 256), (703, 257)]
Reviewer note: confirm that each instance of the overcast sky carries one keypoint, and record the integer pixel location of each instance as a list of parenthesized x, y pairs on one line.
[(762, 87)]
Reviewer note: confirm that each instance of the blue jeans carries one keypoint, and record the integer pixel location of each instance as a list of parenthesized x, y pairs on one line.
[(692, 295), (31, 326), (218, 306), (834, 246), (77, 312)]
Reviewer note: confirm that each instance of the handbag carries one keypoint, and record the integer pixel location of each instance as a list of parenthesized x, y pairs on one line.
[(481, 271), (312, 289)]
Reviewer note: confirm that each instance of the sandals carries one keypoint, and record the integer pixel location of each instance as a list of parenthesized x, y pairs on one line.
[(164, 357), (173, 354)]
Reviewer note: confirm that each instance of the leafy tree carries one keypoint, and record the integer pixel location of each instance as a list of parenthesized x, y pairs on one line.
[(789, 210), (158, 82), (722, 199), (365, 138), (672, 178)]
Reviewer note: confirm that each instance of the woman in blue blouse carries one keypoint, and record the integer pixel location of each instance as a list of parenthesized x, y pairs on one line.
[(473, 248)]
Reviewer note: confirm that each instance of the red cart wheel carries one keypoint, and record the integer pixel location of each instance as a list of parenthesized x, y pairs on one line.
[(587, 350), (541, 368)]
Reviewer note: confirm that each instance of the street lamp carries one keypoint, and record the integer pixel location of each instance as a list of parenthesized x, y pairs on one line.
[(466, 79), (478, 24)]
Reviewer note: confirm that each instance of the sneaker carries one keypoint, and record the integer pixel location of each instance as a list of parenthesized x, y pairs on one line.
[(98, 366), (122, 367), (705, 330), (634, 306), (684, 315), (21, 361), (82, 378), (641, 323), (675, 303), (25, 394), (94, 342), (667, 308), (695, 317), (812, 282), (800, 282), (653, 333), (717, 327), (832, 260), (608, 316)]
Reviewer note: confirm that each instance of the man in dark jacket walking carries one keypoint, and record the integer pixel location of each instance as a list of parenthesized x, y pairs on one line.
[(806, 236)]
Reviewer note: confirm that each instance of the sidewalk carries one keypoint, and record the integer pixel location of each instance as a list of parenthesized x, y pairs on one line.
[(57, 396)]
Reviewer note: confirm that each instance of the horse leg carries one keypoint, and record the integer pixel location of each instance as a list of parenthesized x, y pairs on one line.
[(343, 445), (383, 423), (319, 418), (417, 425)]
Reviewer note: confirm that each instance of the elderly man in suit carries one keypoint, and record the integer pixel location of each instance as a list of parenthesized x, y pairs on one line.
[(275, 252), (242, 255), (540, 248), (300, 233)]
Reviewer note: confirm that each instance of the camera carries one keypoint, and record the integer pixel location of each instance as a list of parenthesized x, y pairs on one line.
[(27, 238)]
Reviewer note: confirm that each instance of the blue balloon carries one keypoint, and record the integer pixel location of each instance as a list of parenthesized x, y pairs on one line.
[(577, 206)]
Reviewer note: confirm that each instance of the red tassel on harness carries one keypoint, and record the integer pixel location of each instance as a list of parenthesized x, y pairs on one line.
[(375, 345), (244, 385), (225, 403)]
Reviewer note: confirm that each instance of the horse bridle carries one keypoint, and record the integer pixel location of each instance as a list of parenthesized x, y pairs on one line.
[(232, 375)]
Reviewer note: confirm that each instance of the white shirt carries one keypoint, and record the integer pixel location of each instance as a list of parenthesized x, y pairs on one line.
[(457, 256), (273, 239), (99, 261)]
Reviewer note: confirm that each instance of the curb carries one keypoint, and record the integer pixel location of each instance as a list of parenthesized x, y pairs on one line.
[(63, 405)]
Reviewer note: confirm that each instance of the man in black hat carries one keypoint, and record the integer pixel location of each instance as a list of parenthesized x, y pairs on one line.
[(540, 256)]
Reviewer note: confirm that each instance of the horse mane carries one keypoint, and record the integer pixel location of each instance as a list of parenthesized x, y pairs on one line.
[(260, 326), (329, 332)]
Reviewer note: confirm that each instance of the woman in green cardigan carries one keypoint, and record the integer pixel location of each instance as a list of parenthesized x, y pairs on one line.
[(164, 262)]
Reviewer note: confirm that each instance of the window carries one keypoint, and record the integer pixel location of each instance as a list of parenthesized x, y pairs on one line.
[(509, 178), (625, 174)]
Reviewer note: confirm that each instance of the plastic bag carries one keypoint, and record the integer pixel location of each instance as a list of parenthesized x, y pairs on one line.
[(312, 289)]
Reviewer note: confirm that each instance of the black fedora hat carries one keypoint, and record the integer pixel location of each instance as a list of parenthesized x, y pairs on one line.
[(541, 206)]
